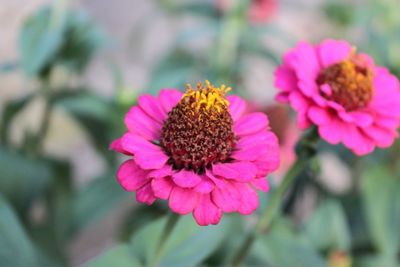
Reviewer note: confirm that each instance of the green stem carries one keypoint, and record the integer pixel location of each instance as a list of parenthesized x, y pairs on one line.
[(270, 213), (226, 49), (306, 152), (169, 227)]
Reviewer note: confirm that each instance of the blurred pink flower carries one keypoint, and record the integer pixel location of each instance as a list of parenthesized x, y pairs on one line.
[(288, 135), (344, 94), (260, 11), (197, 150)]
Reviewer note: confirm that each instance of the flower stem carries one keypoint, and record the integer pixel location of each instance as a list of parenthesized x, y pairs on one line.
[(306, 152), (169, 227)]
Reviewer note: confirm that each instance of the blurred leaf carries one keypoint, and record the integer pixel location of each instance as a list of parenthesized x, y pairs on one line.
[(327, 228), (97, 116), (82, 39), (16, 250), (22, 178), (374, 261), (11, 109), (119, 256), (140, 216), (8, 67), (58, 36), (188, 244), (381, 197), (94, 201), (340, 13), (40, 39), (174, 71), (282, 247), (201, 8)]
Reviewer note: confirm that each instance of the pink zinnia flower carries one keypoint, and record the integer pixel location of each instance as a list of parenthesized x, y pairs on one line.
[(343, 93), (197, 150), (260, 11)]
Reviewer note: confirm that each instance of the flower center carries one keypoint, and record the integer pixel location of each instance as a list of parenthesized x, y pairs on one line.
[(198, 130), (350, 81)]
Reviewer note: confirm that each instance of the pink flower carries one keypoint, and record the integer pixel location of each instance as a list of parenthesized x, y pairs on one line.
[(349, 98), (260, 11), (288, 136), (197, 150)]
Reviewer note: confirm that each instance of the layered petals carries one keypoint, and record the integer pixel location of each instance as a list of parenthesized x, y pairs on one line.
[(361, 128), (223, 187)]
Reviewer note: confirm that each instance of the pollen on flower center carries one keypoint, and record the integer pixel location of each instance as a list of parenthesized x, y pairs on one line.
[(351, 83), (198, 130)]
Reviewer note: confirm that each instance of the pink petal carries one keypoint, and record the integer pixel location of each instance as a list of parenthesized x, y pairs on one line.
[(383, 138), (186, 179), (360, 118), (333, 132), (285, 79), (138, 122), (226, 198), (269, 163), (145, 194), (256, 147), (116, 145), (333, 51), (182, 200), (206, 211), (131, 176), (261, 184), (162, 187), (249, 199), (303, 60), (239, 171), (165, 171), (319, 116), (357, 142), (282, 97), (237, 107), (146, 155), (169, 98), (217, 181), (251, 123), (205, 186), (152, 106), (299, 102)]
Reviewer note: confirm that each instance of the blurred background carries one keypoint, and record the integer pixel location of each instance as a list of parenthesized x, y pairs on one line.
[(69, 71)]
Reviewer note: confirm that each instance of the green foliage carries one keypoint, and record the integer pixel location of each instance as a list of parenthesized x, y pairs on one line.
[(16, 248), (11, 109), (381, 198), (120, 256), (284, 248), (57, 36), (95, 200), (330, 220), (22, 178)]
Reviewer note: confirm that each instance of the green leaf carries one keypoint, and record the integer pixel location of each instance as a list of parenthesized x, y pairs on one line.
[(381, 198), (82, 39), (40, 39), (327, 229), (96, 199), (287, 250), (188, 244), (97, 116), (119, 256), (374, 261), (22, 178), (10, 110), (16, 249)]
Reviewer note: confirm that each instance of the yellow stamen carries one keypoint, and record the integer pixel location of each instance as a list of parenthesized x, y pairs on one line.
[(207, 96)]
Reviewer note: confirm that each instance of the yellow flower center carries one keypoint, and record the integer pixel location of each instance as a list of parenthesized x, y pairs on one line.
[(350, 81), (198, 130)]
